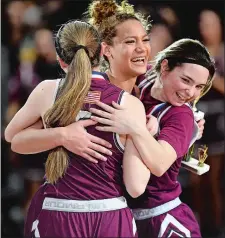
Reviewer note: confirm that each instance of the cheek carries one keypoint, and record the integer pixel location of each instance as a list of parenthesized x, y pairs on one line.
[(149, 50), (197, 94)]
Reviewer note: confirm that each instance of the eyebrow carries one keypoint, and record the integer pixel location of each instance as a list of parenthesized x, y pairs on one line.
[(192, 79), (136, 36)]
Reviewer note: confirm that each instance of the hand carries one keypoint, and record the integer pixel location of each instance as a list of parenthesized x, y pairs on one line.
[(78, 141), (152, 125), (200, 128), (118, 118)]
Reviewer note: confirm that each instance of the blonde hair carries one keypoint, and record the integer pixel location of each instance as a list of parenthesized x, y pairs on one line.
[(78, 45)]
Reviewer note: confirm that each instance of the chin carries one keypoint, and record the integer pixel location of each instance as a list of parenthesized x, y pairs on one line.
[(140, 71), (178, 104)]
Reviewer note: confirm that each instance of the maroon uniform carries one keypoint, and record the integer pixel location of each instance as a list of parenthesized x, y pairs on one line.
[(159, 211), (73, 207)]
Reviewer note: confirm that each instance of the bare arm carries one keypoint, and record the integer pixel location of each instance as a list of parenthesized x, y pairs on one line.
[(157, 155), (36, 139), (135, 174), (73, 137), (29, 113)]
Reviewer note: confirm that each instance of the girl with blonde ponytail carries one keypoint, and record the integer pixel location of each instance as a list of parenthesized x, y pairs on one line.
[(80, 198), (72, 45)]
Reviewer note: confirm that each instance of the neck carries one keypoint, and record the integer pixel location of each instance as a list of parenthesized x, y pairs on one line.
[(157, 91), (121, 81), (97, 68)]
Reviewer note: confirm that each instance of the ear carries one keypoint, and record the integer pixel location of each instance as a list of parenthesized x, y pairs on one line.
[(105, 49), (62, 64), (164, 66)]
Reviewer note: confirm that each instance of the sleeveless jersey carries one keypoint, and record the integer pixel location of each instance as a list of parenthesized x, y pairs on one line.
[(85, 180)]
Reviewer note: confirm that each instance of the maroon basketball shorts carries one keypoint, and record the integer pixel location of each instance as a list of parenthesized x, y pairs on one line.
[(171, 219)]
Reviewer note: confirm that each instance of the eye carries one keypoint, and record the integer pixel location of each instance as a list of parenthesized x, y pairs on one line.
[(186, 80), (130, 41), (146, 40), (200, 87)]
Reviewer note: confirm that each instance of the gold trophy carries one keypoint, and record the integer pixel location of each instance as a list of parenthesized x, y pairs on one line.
[(202, 155), (197, 166)]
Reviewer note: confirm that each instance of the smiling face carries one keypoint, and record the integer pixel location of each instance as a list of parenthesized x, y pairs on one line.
[(184, 83), (130, 51)]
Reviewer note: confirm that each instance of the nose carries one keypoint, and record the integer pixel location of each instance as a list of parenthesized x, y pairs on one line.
[(140, 47), (190, 92)]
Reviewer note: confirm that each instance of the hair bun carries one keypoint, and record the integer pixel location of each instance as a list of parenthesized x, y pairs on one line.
[(100, 10)]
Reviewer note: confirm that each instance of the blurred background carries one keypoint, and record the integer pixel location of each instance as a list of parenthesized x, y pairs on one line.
[(28, 57)]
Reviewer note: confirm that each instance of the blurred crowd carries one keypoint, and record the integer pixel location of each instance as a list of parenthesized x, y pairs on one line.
[(28, 57)]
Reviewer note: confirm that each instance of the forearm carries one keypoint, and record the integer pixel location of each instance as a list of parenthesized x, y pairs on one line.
[(32, 140), (150, 150), (135, 173)]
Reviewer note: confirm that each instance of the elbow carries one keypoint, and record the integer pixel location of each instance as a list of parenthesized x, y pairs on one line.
[(8, 137), (14, 148), (159, 172), (135, 191)]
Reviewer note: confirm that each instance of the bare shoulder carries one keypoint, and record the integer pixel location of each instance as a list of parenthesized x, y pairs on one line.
[(45, 92), (131, 101), (47, 85)]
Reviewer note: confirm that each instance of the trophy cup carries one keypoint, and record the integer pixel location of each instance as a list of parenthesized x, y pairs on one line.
[(196, 166)]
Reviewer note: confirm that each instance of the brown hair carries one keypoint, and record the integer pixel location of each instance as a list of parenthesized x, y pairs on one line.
[(105, 15), (187, 51), (78, 45)]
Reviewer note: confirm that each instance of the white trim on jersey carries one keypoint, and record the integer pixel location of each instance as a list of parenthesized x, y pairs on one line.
[(116, 136), (142, 83), (143, 89)]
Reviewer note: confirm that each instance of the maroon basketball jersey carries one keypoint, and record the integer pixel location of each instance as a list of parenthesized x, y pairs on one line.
[(85, 180), (176, 127)]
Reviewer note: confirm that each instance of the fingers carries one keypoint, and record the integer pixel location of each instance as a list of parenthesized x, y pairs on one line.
[(100, 113), (99, 141), (95, 154), (117, 106), (86, 123), (201, 122), (105, 128), (101, 149), (89, 158), (103, 120), (105, 107)]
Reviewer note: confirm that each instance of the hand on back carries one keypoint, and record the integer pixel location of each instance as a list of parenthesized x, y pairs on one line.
[(77, 140)]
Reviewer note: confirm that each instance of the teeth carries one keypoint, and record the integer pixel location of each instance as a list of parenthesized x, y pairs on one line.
[(138, 59), (180, 97)]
